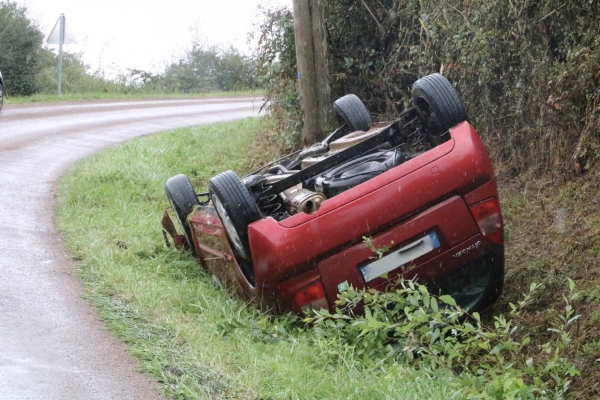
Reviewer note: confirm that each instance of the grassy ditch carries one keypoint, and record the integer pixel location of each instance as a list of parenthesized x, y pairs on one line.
[(199, 341), (51, 98), (172, 314)]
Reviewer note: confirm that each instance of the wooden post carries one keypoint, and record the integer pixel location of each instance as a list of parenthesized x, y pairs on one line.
[(323, 89), (313, 73)]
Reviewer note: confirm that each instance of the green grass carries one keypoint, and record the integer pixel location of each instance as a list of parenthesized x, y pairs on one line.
[(49, 98), (168, 310)]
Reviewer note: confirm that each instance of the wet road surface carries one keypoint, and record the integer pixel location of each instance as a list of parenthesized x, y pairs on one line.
[(52, 344)]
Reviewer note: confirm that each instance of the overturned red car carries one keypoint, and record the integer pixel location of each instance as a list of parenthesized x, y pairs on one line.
[(292, 233)]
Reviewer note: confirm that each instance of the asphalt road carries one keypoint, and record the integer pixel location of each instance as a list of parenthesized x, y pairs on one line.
[(52, 343)]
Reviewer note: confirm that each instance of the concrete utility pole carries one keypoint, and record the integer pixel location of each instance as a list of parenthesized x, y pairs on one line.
[(313, 71)]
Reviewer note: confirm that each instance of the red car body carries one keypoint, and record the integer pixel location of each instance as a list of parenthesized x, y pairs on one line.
[(444, 200)]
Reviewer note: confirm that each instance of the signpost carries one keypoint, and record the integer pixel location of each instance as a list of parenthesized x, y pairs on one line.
[(61, 34)]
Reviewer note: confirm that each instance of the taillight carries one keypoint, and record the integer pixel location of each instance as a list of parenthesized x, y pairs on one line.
[(489, 219), (311, 297)]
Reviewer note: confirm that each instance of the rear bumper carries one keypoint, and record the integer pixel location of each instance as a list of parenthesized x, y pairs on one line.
[(465, 265), (474, 280)]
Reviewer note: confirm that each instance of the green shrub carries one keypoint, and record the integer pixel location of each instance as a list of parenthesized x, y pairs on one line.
[(490, 361), (209, 68), (77, 76), (20, 42)]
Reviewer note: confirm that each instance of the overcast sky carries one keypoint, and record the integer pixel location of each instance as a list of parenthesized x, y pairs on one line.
[(143, 34)]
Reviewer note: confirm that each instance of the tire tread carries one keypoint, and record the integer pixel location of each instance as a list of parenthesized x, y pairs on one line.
[(445, 101), (183, 200), (353, 112), (238, 203)]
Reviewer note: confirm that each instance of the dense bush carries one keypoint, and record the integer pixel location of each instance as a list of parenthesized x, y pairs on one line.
[(527, 70), (20, 44), (524, 68), (208, 68)]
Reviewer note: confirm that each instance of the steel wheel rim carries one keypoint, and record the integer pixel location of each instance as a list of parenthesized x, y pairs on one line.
[(229, 228)]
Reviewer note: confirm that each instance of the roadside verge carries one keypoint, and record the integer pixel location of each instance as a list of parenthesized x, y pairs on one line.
[(171, 313)]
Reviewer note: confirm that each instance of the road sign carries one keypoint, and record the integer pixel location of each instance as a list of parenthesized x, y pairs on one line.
[(61, 34), (68, 36)]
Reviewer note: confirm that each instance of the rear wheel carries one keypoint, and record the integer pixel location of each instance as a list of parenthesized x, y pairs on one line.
[(353, 112), (183, 199), (1, 96), (438, 104), (237, 209)]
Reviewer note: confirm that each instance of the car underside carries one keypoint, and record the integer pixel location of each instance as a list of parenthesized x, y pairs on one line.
[(293, 231)]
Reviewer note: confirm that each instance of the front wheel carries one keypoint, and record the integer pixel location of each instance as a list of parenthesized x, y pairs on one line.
[(183, 199), (236, 209)]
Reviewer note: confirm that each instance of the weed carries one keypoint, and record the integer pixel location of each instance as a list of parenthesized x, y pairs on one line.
[(411, 326)]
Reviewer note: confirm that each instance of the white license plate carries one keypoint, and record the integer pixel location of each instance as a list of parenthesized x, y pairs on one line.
[(400, 257)]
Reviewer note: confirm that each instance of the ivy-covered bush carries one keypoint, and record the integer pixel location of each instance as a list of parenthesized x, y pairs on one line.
[(516, 66)]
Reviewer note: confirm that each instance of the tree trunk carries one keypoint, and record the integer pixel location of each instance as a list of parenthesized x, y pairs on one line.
[(321, 68), (306, 71), (313, 73)]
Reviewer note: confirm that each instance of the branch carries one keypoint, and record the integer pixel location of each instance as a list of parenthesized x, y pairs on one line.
[(381, 30)]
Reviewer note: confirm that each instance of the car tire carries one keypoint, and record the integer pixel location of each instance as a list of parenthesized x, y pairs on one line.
[(183, 199), (236, 209), (353, 112), (438, 104), (1, 96)]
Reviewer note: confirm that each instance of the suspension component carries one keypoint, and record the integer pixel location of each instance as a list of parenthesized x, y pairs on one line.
[(297, 199)]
